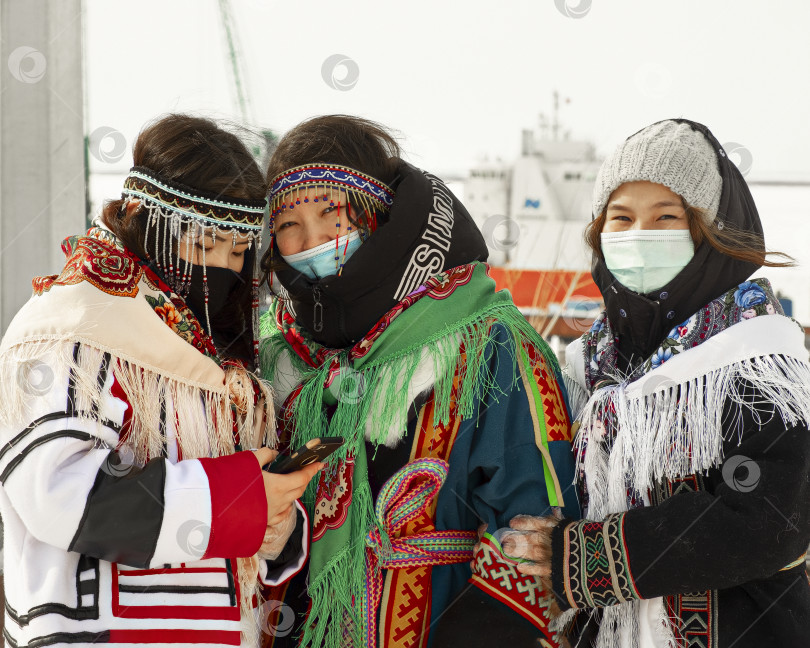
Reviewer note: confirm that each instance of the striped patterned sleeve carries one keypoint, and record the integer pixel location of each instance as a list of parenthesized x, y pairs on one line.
[(73, 490)]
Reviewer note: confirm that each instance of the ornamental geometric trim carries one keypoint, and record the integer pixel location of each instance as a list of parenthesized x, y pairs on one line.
[(597, 571), (339, 177)]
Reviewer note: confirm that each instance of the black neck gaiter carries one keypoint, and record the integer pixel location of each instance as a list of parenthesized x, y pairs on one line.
[(427, 231)]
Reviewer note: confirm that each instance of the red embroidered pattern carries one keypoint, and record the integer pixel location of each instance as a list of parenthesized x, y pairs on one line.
[(597, 569), (405, 610), (439, 287), (498, 576), (101, 260), (97, 262), (695, 618), (558, 424), (333, 500)]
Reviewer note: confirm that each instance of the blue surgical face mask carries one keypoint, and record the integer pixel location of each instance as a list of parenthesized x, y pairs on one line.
[(319, 262), (646, 260)]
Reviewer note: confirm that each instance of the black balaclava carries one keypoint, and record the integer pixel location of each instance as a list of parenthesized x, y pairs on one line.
[(641, 322), (427, 231)]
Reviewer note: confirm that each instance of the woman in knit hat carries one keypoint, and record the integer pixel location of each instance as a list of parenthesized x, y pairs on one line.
[(133, 509), (389, 332), (692, 396)]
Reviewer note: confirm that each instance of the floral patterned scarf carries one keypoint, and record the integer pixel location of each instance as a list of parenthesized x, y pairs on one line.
[(748, 300)]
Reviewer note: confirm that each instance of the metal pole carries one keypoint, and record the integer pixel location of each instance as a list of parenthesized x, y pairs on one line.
[(42, 173)]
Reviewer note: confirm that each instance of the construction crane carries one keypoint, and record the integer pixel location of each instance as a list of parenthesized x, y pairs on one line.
[(263, 149)]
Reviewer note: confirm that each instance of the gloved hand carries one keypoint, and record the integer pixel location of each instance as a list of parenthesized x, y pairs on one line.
[(276, 536)]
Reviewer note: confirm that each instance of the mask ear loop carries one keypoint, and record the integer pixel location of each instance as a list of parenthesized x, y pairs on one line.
[(338, 265), (348, 233)]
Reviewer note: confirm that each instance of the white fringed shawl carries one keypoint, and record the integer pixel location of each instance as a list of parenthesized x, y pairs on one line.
[(151, 363), (669, 425)]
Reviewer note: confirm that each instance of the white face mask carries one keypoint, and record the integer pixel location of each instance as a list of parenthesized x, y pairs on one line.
[(646, 260)]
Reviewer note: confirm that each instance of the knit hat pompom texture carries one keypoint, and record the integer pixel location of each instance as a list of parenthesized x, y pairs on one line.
[(668, 153)]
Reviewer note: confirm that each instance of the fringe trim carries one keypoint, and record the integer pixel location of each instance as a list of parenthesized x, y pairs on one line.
[(415, 376), (577, 396), (670, 431), (195, 408), (664, 630), (251, 399), (382, 392), (561, 624), (619, 626), (335, 617)]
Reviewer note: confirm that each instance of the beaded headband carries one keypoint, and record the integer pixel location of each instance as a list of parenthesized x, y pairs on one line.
[(146, 185), (178, 215), (292, 187), (368, 190)]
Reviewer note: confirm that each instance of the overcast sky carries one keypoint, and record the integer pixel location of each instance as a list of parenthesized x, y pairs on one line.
[(460, 79)]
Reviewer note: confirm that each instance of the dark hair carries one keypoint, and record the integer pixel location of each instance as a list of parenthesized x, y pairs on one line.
[(346, 140), (731, 241), (199, 153)]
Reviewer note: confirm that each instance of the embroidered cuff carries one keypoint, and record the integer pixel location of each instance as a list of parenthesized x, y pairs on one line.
[(498, 576), (595, 568)]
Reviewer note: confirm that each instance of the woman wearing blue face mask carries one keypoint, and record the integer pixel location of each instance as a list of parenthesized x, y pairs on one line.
[(692, 392), (388, 331)]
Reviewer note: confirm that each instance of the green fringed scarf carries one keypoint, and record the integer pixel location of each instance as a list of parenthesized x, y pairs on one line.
[(370, 382)]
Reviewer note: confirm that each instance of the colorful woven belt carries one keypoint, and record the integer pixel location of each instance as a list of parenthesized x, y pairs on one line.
[(404, 497)]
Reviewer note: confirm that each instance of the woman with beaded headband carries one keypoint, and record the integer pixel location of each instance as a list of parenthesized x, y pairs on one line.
[(134, 510), (388, 331)]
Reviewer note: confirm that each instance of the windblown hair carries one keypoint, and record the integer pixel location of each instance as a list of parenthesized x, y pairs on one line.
[(734, 242), (199, 153)]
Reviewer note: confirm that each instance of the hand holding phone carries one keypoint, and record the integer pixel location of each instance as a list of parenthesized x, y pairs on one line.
[(281, 491), (315, 450)]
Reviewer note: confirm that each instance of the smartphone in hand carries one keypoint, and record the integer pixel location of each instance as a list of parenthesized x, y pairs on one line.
[(309, 453)]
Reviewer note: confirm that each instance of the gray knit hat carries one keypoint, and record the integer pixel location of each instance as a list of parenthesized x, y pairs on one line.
[(668, 153)]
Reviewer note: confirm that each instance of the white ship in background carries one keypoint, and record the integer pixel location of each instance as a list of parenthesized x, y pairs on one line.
[(542, 195), (533, 212)]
